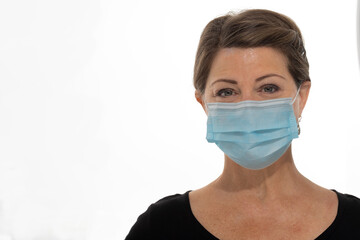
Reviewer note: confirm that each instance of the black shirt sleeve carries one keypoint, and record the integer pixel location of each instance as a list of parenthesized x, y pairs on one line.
[(142, 229), (164, 219), (346, 225), (170, 218)]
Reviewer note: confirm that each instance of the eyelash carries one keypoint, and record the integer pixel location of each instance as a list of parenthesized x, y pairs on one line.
[(276, 88), (262, 89), (221, 91)]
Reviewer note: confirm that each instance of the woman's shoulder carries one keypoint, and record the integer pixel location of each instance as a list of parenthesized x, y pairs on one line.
[(348, 211), (171, 202), (161, 216), (168, 206), (347, 222), (348, 202)]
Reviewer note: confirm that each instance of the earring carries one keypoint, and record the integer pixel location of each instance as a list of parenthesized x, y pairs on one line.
[(298, 125)]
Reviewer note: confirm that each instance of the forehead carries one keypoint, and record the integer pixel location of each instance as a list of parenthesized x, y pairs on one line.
[(247, 63)]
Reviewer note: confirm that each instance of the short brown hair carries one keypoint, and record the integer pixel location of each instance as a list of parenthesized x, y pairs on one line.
[(251, 28)]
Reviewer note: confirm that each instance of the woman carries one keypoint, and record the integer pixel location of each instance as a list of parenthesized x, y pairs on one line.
[(252, 79)]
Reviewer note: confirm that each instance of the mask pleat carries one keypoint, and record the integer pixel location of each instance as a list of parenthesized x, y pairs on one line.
[(252, 133)]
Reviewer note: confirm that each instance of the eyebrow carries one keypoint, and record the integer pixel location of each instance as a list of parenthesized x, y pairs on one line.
[(256, 80), (269, 75), (224, 80)]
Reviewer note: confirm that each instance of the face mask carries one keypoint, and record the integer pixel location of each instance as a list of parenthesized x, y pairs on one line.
[(254, 134)]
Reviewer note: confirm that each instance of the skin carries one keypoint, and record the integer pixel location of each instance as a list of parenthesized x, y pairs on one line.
[(272, 203)]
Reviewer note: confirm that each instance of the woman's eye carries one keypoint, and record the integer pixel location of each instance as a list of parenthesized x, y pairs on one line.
[(270, 88), (225, 92)]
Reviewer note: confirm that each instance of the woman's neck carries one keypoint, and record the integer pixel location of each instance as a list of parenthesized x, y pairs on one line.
[(281, 178)]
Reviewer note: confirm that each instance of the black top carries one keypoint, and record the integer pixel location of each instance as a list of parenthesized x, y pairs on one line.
[(171, 218)]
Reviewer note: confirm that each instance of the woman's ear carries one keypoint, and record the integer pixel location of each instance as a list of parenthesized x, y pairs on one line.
[(199, 98), (304, 94)]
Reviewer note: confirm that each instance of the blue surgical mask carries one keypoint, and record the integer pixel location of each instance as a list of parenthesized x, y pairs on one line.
[(254, 134)]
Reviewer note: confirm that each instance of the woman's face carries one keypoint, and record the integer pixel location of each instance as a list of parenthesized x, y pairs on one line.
[(239, 74)]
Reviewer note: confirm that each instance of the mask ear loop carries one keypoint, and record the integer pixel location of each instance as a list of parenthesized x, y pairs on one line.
[(205, 104), (297, 93), (299, 119)]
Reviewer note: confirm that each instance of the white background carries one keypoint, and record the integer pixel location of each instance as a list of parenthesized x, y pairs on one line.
[(98, 117)]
